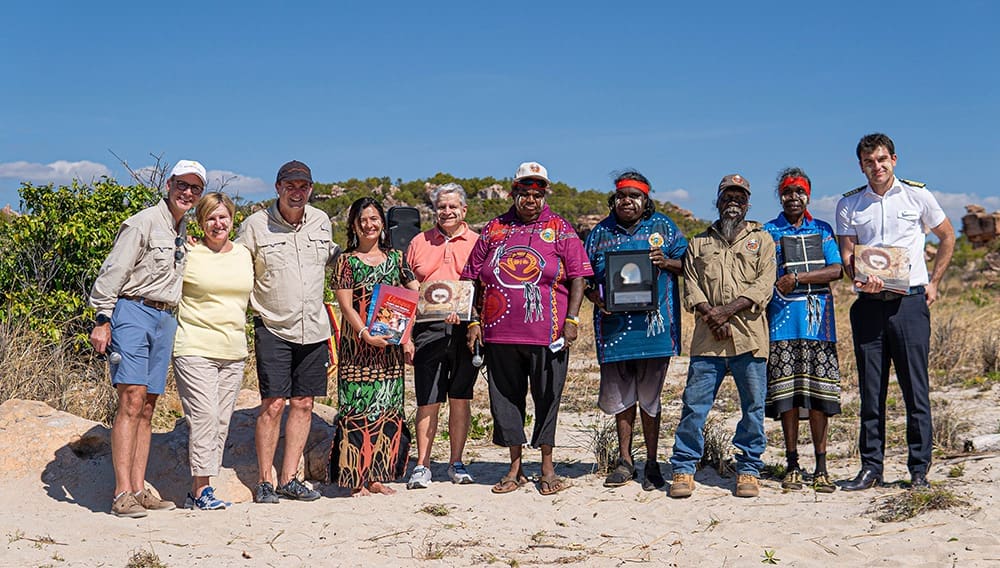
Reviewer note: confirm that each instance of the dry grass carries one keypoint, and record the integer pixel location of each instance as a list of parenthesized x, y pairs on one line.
[(718, 446), (950, 426), (61, 373), (909, 504)]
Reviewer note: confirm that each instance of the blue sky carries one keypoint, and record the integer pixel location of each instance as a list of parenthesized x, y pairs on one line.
[(685, 93)]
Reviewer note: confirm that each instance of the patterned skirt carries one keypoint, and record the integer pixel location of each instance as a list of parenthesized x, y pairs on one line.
[(371, 442), (803, 374)]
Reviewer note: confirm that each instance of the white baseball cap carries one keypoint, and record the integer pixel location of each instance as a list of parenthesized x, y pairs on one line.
[(189, 167), (531, 170)]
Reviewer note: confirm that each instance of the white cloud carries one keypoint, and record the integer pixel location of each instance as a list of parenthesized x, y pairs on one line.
[(58, 172), (673, 195), (237, 184)]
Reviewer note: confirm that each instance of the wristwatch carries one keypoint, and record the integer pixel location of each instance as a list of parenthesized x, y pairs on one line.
[(102, 319)]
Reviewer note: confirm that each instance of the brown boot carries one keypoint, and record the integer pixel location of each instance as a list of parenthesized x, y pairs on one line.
[(682, 485), (747, 485)]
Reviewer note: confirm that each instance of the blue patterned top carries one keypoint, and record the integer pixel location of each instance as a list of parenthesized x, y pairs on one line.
[(802, 316), (638, 335)]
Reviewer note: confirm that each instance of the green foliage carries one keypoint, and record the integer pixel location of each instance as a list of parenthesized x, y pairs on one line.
[(53, 252)]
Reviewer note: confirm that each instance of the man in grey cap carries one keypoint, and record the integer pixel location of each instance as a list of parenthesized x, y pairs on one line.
[(729, 276), (291, 243), (135, 295)]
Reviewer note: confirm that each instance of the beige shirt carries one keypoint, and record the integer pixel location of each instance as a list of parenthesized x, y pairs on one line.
[(718, 272), (142, 261), (289, 266)]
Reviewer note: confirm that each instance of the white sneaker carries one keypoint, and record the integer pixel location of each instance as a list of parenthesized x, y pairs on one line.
[(420, 478), (459, 474)]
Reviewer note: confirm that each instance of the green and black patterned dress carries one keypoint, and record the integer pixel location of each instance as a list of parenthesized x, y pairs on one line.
[(372, 441)]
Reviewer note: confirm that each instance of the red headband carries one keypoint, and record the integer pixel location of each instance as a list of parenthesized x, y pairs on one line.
[(633, 183), (797, 181)]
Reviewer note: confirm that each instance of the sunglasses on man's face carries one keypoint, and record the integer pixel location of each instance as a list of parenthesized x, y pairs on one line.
[(532, 182), (182, 186)]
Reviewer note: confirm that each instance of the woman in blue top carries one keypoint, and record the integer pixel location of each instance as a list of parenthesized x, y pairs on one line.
[(802, 369)]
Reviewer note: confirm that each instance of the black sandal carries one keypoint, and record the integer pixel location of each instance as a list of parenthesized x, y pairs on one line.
[(622, 474)]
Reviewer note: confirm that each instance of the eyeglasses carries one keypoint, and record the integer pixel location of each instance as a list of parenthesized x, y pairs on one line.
[(532, 182), (182, 186), (178, 247)]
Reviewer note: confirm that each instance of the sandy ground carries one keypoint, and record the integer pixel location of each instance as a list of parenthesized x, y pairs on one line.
[(586, 525)]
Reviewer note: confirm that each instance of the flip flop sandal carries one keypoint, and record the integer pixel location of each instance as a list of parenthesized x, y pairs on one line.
[(620, 476), (552, 484), (508, 484)]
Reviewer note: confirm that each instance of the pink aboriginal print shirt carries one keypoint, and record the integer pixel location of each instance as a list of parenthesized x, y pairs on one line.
[(524, 269)]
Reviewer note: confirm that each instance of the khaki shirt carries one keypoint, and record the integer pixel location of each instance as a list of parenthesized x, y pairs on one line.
[(289, 266), (142, 261), (718, 273)]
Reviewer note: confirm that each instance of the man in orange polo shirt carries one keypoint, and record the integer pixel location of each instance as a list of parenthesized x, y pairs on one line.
[(442, 362)]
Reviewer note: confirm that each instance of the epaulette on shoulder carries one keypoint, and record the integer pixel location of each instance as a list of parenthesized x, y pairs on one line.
[(855, 190), (913, 183)]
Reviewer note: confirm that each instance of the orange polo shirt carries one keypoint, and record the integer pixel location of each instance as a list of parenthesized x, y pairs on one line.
[(433, 256)]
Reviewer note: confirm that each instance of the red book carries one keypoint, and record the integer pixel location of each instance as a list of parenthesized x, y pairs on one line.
[(391, 313)]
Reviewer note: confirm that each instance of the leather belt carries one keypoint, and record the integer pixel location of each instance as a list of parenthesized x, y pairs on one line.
[(162, 306), (888, 296)]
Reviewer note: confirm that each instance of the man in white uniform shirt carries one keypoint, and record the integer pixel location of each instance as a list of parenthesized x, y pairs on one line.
[(889, 327)]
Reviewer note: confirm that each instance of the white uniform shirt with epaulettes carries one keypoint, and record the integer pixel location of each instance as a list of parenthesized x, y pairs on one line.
[(289, 265), (142, 262), (900, 218)]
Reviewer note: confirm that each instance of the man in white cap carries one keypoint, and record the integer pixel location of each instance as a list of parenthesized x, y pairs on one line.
[(135, 295)]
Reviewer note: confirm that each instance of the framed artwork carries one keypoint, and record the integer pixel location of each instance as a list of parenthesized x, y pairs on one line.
[(630, 282)]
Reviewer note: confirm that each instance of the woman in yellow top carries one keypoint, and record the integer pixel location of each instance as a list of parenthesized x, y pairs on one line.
[(210, 348)]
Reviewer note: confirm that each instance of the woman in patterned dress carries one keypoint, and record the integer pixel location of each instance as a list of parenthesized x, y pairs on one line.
[(372, 443), (803, 375)]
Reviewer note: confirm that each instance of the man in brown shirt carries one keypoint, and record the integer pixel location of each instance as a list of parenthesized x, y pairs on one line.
[(135, 295), (291, 243), (728, 280)]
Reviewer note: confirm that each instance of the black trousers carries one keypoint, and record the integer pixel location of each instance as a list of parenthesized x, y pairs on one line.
[(510, 370), (897, 332)]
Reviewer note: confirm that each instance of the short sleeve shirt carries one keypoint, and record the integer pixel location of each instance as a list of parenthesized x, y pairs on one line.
[(434, 256), (289, 265), (802, 316), (900, 218), (638, 335), (524, 269)]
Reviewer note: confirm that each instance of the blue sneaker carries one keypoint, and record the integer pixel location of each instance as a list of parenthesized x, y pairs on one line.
[(206, 502)]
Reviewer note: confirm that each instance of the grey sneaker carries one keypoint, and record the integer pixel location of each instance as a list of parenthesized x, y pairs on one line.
[(265, 493), (420, 478), (125, 505), (152, 502), (297, 490), (459, 474)]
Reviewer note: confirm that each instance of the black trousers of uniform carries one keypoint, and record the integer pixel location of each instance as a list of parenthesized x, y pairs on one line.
[(898, 332), (511, 369)]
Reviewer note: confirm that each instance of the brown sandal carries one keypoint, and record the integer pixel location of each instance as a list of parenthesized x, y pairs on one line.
[(551, 484), (508, 484)]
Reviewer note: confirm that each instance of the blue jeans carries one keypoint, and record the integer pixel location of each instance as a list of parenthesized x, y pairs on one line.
[(704, 378)]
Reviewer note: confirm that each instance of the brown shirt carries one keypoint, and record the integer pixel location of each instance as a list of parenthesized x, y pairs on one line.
[(718, 272), (289, 265), (142, 261)]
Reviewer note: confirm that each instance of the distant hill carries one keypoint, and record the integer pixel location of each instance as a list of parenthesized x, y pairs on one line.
[(487, 198)]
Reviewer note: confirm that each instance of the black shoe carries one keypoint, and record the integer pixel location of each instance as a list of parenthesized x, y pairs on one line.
[(621, 475), (919, 481), (295, 489), (651, 477), (265, 493), (866, 479)]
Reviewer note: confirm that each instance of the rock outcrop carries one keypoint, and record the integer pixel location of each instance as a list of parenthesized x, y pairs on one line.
[(72, 455)]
